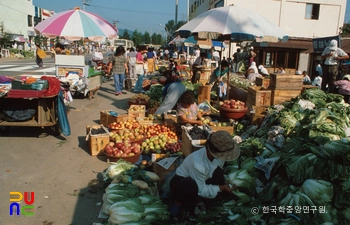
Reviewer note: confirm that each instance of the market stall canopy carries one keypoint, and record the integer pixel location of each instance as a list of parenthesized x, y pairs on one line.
[(19, 39), (76, 24), (203, 43), (232, 22)]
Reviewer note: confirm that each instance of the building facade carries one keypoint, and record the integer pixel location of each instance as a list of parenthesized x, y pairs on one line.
[(301, 20), (19, 19)]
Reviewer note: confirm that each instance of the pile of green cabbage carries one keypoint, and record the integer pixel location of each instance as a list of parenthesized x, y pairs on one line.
[(307, 141), (126, 203)]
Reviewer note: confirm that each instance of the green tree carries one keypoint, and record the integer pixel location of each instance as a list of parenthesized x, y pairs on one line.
[(156, 39), (345, 30), (137, 38), (147, 38), (125, 35), (5, 40), (171, 28)]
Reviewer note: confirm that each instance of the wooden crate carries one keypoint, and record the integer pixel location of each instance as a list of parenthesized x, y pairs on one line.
[(305, 87), (280, 96), (259, 97), (137, 110), (286, 82), (262, 82), (189, 145), (96, 142), (237, 93), (106, 118), (204, 93)]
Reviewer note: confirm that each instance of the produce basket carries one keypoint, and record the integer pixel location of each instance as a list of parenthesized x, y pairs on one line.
[(233, 113), (130, 159), (138, 141)]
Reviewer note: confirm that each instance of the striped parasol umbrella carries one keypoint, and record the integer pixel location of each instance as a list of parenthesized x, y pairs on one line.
[(76, 24)]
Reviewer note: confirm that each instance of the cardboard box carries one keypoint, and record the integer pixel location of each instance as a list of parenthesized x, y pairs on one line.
[(259, 97), (286, 82), (144, 121), (280, 96), (188, 144), (106, 118), (229, 129), (97, 142), (162, 172), (137, 110)]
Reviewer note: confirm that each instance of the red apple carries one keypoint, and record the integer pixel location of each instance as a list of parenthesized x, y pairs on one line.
[(119, 145)]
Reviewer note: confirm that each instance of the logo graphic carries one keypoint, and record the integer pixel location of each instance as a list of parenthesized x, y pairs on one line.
[(16, 199)]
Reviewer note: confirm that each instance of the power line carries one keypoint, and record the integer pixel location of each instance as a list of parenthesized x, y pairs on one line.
[(135, 11)]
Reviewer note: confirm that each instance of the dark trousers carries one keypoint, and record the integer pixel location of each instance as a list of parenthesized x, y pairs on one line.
[(196, 74), (185, 189), (329, 77)]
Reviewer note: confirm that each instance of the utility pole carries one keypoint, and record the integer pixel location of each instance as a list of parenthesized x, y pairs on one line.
[(176, 11)]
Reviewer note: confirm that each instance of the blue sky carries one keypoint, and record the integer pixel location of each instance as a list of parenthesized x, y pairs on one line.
[(141, 15)]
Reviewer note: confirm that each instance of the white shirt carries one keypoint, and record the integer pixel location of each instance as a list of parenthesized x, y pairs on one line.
[(317, 82), (200, 168), (216, 54), (330, 61), (253, 76), (175, 55), (197, 53)]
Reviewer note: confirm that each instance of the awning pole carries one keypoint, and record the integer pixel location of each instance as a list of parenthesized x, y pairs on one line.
[(228, 73)]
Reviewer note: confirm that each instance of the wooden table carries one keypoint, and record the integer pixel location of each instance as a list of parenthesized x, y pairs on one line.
[(45, 116)]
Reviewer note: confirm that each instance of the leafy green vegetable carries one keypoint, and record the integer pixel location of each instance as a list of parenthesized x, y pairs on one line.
[(301, 167), (155, 92), (319, 191), (117, 169), (241, 178), (126, 211)]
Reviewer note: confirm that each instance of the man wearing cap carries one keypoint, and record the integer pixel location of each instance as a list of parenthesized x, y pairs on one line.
[(201, 175), (331, 54)]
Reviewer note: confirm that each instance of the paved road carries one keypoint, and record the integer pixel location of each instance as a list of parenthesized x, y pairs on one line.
[(59, 169), (18, 67)]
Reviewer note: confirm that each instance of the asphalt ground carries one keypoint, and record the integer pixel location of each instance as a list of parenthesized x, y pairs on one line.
[(65, 178)]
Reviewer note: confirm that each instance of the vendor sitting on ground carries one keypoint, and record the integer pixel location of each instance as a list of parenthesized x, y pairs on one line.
[(187, 110), (200, 178), (251, 75)]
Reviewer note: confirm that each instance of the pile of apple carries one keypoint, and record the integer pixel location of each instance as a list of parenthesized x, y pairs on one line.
[(128, 124), (122, 149), (123, 135), (232, 104), (137, 108), (158, 129), (139, 99), (156, 144)]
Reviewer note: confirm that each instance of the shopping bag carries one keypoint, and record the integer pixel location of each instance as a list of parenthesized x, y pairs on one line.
[(128, 84), (41, 53)]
